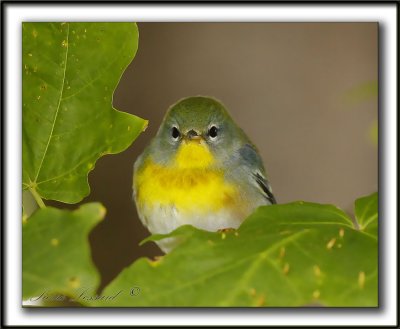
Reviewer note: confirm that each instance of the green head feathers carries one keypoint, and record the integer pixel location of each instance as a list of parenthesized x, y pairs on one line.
[(196, 113), (197, 118)]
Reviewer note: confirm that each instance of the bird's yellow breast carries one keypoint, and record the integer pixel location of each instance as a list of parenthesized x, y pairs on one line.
[(190, 184)]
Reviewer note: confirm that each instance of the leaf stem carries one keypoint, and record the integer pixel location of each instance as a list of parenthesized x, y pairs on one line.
[(37, 197)]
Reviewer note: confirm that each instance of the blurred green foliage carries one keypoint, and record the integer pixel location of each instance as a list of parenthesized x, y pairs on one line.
[(365, 92)]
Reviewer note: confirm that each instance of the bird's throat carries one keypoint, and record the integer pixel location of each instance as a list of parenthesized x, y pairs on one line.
[(193, 154)]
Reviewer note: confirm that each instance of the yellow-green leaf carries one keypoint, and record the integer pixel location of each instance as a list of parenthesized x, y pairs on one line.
[(366, 211), (70, 71), (293, 254), (56, 251)]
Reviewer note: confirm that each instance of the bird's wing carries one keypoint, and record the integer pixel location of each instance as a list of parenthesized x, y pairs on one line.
[(263, 183), (252, 160)]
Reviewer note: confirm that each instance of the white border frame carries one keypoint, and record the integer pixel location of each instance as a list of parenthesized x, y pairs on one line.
[(385, 14)]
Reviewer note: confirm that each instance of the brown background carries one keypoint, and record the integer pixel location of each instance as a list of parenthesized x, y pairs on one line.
[(286, 85)]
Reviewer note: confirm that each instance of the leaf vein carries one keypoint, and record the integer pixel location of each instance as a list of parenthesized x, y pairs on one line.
[(227, 268), (58, 106)]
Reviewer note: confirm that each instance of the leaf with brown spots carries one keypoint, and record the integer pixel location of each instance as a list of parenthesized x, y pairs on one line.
[(70, 72), (293, 254), (57, 257)]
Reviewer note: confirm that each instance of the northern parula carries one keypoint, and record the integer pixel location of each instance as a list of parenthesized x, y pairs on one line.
[(200, 169)]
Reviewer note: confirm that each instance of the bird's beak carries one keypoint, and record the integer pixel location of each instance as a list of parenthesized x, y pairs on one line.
[(194, 136)]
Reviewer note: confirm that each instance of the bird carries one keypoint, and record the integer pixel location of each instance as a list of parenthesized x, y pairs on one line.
[(200, 169)]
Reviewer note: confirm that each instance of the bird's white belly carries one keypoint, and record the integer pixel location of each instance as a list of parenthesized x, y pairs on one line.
[(164, 219)]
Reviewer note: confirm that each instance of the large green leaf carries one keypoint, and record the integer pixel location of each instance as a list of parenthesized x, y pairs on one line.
[(70, 71), (366, 211), (56, 251), (283, 255)]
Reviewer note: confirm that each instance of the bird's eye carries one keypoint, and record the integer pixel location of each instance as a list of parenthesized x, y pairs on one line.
[(175, 133), (213, 132)]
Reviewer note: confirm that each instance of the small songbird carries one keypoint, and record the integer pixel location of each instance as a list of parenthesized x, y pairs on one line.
[(200, 169)]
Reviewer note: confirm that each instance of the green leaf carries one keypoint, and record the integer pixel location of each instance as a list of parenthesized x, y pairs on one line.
[(56, 251), (366, 211), (295, 254), (70, 71)]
